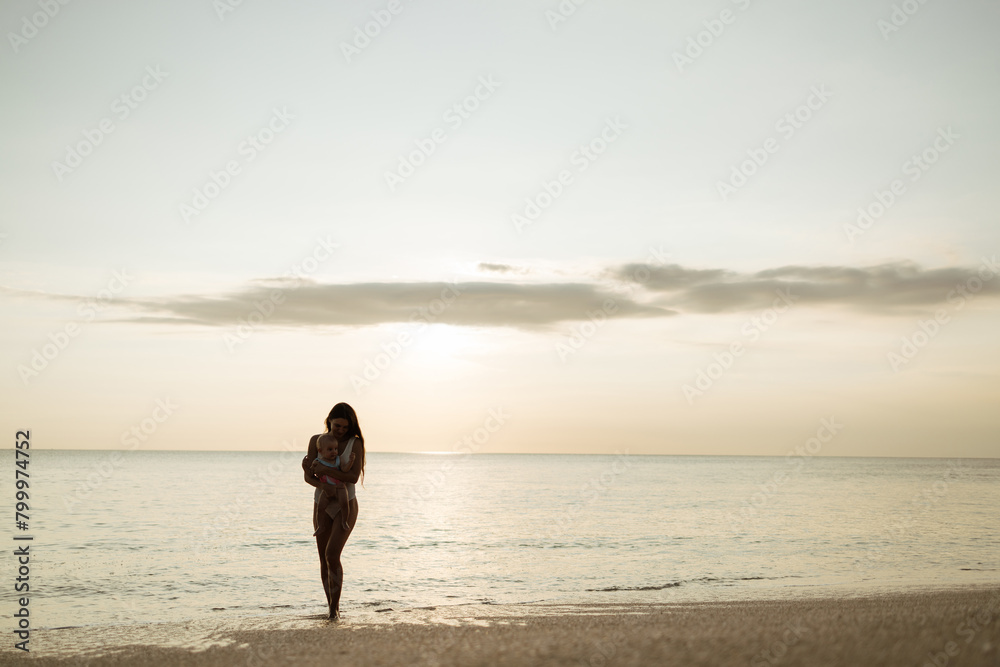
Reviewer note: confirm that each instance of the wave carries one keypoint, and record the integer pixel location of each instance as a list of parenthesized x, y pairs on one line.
[(675, 584)]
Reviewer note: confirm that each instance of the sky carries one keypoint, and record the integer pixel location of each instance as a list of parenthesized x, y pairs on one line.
[(698, 228)]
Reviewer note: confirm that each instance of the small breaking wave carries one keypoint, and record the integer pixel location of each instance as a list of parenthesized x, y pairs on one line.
[(675, 584)]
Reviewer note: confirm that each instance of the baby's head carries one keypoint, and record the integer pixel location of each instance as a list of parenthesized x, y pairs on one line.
[(327, 448)]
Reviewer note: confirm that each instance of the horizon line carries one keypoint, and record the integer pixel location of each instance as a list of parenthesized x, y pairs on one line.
[(454, 453)]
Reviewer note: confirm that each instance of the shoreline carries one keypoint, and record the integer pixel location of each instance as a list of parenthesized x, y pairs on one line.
[(957, 626)]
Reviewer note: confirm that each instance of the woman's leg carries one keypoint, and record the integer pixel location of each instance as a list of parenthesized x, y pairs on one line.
[(322, 539), (334, 547)]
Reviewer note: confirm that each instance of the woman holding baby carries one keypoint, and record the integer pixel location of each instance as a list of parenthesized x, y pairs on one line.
[(333, 526)]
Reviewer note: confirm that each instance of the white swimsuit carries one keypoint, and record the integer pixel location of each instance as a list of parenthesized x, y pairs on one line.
[(333, 508)]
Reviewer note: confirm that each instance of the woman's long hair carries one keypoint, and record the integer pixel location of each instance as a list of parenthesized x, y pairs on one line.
[(345, 411)]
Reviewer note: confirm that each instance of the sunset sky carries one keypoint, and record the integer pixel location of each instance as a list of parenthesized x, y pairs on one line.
[(631, 228)]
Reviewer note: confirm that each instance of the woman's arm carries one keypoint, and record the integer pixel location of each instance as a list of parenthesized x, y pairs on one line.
[(310, 456)]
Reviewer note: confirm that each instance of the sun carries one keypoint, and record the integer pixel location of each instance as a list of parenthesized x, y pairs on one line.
[(443, 342)]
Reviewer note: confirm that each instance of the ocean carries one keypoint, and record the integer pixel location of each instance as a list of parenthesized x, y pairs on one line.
[(146, 536)]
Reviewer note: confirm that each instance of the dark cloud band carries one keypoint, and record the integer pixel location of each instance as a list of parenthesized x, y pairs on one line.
[(627, 291), (361, 304), (887, 288)]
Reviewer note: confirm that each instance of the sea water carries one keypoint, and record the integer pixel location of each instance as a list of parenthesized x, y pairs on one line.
[(140, 536)]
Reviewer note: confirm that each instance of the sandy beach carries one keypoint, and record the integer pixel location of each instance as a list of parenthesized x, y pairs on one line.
[(951, 627)]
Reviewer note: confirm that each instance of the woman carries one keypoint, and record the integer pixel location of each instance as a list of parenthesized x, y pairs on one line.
[(331, 536)]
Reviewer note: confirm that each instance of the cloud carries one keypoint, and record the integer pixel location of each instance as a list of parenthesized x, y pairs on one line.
[(650, 291), (496, 268), (895, 288), (305, 303)]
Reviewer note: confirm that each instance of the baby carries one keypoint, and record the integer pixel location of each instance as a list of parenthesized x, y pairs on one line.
[(327, 455)]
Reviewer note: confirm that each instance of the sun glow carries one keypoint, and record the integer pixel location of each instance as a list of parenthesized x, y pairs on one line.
[(444, 343)]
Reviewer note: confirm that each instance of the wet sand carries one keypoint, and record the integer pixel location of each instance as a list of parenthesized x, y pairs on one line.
[(938, 628)]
